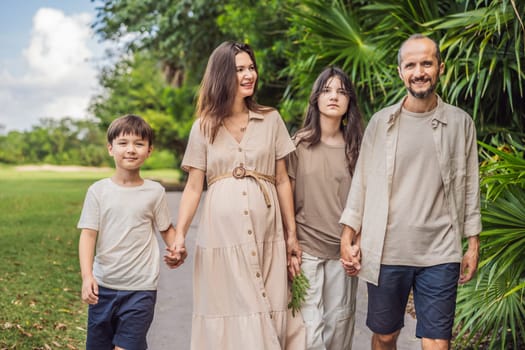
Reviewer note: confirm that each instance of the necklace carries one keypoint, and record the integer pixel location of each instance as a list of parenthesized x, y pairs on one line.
[(237, 126)]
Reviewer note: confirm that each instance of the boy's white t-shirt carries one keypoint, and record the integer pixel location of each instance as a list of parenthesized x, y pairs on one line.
[(126, 219)]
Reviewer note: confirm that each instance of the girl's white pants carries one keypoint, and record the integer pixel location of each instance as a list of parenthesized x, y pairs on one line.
[(329, 308)]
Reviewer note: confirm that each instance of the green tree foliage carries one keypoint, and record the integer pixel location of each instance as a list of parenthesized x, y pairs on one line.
[(483, 43), (179, 32), (264, 25), (168, 50), (136, 85), (68, 142), (12, 147), (64, 142)]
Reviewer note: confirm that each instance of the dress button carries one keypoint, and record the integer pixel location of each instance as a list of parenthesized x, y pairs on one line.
[(246, 212), (244, 193), (240, 149), (249, 232), (264, 294), (254, 253), (258, 275)]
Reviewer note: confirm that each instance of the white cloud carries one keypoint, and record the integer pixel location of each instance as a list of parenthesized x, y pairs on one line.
[(59, 74)]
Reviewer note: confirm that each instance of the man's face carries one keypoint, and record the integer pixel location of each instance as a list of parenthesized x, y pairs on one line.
[(419, 68)]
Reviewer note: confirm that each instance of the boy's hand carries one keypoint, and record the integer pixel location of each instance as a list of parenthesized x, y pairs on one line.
[(90, 290), (176, 253)]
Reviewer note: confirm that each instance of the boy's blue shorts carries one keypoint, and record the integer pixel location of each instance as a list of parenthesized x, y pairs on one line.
[(434, 290), (120, 318)]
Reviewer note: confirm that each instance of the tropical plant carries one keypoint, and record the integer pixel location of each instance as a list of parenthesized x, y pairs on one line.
[(485, 51), (502, 167), (483, 43), (491, 310)]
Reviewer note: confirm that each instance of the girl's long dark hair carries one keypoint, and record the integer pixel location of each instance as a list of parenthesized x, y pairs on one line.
[(219, 87), (351, 123)]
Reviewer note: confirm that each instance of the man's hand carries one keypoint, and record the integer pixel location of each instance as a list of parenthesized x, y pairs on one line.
[(469, 263)]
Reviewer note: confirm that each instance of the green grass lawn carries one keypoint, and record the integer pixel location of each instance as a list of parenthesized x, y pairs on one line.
[(40, 306)]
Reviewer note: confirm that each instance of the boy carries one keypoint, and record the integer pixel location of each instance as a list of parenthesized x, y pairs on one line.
[(119, 218)]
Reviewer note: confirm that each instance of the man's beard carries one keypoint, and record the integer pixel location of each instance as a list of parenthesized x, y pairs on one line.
[(422, 94)]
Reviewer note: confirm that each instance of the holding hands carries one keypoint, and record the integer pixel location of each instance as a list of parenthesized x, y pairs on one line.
[(351, 259), (176, 252), (350, 251)]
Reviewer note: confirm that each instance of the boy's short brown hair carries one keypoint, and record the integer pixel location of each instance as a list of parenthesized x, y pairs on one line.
[(130, 124)]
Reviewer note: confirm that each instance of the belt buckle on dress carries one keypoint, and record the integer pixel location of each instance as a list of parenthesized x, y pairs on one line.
[(239, 172)]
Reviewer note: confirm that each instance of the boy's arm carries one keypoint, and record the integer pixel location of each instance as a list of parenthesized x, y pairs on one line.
[(86, 253)]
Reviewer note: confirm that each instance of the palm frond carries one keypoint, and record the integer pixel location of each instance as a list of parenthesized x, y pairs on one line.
[(491, 312)]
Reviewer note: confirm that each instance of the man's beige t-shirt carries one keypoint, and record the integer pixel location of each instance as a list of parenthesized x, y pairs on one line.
[(419, 226), (322, 182)]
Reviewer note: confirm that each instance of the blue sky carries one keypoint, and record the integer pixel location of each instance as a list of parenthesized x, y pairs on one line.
[(49, 60)]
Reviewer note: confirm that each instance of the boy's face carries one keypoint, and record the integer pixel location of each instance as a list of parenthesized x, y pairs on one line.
[(129, 151)]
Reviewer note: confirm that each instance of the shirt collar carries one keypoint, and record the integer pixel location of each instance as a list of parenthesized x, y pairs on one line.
[(438, 116)]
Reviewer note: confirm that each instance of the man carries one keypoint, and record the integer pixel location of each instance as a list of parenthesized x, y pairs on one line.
[(414, 195)]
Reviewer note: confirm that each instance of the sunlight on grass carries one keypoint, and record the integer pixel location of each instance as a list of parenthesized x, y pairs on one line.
[(40, 279)]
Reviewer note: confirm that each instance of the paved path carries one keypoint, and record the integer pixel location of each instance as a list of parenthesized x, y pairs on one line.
[(171, 328)]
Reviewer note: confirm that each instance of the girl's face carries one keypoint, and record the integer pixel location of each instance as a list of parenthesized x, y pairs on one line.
[(246, 75), (333, 102)]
